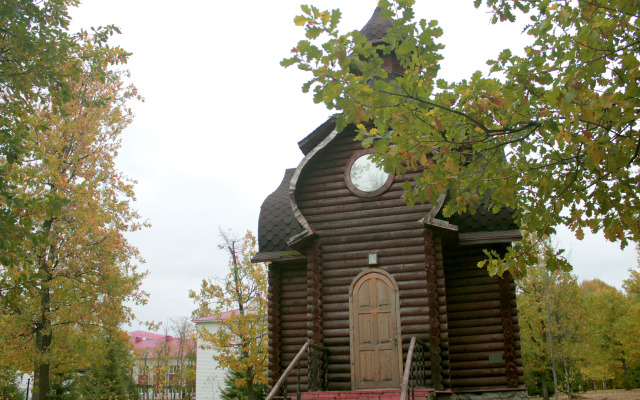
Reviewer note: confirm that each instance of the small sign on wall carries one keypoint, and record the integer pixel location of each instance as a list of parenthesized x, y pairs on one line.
[(496, 358)]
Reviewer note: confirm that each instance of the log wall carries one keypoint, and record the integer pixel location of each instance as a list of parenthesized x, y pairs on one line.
[(350, 227), (483, 354), (468, 319), (291, 322)]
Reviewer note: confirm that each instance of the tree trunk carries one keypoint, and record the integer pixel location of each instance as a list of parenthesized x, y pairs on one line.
[(626, 384), (42, 383), (567, 382), (545, 390), (551, 348), (250, 389), (604, 383)]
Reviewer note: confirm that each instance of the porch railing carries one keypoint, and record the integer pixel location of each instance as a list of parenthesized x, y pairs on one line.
[(317, 367), (415, 369)]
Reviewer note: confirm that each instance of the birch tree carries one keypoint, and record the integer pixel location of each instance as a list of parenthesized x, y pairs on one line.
[(241, 342)]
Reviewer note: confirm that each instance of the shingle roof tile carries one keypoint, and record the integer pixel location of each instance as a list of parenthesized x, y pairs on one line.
[(277, 223)]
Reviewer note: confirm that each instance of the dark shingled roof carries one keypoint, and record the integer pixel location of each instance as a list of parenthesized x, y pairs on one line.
[(318, 135), (483, 220), (376, 29), (277, 223)]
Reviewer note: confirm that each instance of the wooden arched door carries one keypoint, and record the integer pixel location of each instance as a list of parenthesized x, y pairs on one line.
[(376, 344)]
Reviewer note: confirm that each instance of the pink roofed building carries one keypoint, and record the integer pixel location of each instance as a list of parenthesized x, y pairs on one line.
[(164, 365)]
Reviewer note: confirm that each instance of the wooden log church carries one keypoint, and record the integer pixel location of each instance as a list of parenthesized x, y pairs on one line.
[(369, 295)]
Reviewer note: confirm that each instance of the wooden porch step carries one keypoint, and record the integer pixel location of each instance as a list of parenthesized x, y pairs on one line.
[(381, 394)]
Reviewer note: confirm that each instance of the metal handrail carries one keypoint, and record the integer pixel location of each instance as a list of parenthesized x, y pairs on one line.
[(286, 373), (406, 378)]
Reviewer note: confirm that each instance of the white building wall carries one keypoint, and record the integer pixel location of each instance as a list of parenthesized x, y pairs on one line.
[(209, 376)]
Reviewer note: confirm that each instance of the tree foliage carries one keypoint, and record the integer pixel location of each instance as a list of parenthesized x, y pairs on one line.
[(75, 269), (39, 61), (111, 378), (9, 389), (594, 329), (241, 342), (553, 134), (234, 391), (548, 304)]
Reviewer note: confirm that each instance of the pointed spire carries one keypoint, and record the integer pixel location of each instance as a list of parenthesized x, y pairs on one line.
[(376, 28)]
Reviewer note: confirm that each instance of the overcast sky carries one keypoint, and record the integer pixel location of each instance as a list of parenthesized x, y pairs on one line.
[(221, 121)]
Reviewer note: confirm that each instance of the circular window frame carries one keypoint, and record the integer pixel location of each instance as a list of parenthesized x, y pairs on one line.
[(352, 187)]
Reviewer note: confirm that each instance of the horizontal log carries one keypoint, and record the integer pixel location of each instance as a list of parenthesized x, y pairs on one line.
[(475, 348), (300, 302), (386, 260), (339, 214), (475, 314), (339, 368), (471, 274), (393, 269), (414, 320), (331, 252), (292, 280), (465, 290), (336, 316), (338, 350), (321, 193), (338, 359), (475, 322), (412, 293), (476, 339), (382, 254), (361, 230), (349, 273), (307, 188), (299, 294), (477, 330), (415, 329), (472, 306), (486, 281), (292, 381), (332, 342), (466, 357), (406, 337), (472, 297), (474, 364), (336, 324), (335, 298), (330, 244), (294, 333), (368, 221), (293, 272), (289, 351), (333, 333), (478, 372), (410, 311), (340, 377), (289, 326), (311, 205), (293, 341), (290, 286), (413, 302), (329, 308), (293, 317)]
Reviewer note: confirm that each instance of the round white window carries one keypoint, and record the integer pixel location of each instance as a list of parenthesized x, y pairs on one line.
[(365, 178)]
